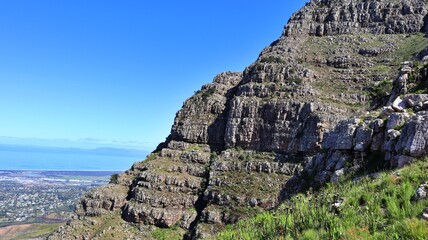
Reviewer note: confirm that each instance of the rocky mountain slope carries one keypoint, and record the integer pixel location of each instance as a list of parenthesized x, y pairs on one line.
[(332, 95)]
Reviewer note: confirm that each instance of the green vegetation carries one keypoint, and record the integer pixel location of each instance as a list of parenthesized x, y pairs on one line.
[(417, 83), (208, 93), (380, 208), (380, 69), (174, 233), (114, 178), (295, 80), (255, 186), (272, 59), (413, 44), (399, 127), (381, 90), (337, 102)]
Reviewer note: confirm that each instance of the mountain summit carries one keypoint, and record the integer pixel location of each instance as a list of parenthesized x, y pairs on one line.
[(344, 84)]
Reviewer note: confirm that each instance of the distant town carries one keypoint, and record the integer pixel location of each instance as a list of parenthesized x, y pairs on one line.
[(44, 196)]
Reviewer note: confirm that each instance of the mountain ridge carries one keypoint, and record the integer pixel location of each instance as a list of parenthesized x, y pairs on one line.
[(306, 112)]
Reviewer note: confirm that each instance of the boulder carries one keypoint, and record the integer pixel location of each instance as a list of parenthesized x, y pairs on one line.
[(393, 134), (396, 120), (404, 161), (421, 192), (342, 137), (414, 138), (363, 138), (399, 104), (425, 215), (421, 106), (377, 125), (386, 111), (413, 100), (336, 175)]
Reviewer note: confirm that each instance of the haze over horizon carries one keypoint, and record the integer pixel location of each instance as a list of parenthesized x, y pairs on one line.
[(93, 73)]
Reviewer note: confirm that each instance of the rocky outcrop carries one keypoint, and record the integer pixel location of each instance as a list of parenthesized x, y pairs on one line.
[(329, 17), (241, 183), (103, 199), (395, 138), (315, 106), (203, 117)]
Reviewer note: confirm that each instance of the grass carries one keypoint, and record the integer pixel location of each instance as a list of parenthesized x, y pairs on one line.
[(341, 103), (174, 233), (381, 208), (413, 44), (256, 185), (380, 69)]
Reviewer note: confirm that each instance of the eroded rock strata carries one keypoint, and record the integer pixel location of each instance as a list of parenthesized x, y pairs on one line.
[(330, 96)]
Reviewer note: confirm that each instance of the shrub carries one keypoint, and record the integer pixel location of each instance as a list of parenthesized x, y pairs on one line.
[(295, 80), (208, 93), (114, 178), (413, 228), (310, 234), (272, 59), (381, 90)]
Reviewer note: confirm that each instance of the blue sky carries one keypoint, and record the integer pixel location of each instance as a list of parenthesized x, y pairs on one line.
[(117, 71)]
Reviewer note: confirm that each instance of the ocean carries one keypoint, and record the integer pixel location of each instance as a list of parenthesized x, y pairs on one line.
[(64, 159)]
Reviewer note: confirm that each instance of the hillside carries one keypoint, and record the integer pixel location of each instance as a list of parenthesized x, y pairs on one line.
[(343, 90), (381, 205)]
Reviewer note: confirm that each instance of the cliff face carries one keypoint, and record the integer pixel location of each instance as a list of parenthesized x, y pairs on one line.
[(307, 111)]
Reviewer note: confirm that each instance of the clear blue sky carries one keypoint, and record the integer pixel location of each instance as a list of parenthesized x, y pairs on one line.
[(119, 70)]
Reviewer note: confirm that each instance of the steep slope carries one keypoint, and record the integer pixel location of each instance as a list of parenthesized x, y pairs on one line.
[(299, 112), (382, 205)]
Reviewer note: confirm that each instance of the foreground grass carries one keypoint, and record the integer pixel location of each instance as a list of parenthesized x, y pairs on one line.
[(379, 208), (174, 233)]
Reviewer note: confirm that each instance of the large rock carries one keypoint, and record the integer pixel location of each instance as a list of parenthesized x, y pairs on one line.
[(414, 137), (421, 192), (202, 118), (399, 104), (396, 120), (363, 138), (342, 138), (413, 100)]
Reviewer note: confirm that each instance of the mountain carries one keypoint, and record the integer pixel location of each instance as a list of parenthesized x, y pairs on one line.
[(342, 89)]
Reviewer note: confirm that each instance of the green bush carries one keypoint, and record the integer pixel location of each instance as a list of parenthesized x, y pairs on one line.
[(381, 90), (272, 59), (413, 228), (114, 178), (295, 80)]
